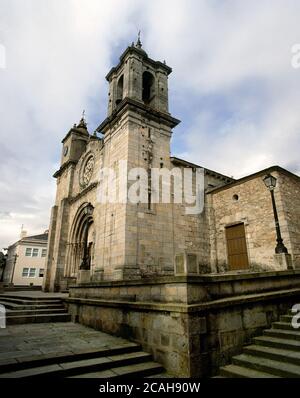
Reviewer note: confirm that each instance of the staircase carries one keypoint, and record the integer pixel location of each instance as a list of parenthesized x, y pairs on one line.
[(60, 348), (274, 354), (21, 288), (121, 361), (26, 309)]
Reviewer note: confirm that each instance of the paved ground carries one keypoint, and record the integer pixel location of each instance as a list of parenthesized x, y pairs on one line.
[(20, 342)]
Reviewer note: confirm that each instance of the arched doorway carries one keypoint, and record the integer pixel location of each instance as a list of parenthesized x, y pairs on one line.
[(80, 251)]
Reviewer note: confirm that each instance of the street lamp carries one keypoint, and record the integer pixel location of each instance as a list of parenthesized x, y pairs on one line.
[(13, 270), (270, 183)]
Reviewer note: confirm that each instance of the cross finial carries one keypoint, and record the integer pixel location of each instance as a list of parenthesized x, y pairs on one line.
[(82, 122), (139, 43)]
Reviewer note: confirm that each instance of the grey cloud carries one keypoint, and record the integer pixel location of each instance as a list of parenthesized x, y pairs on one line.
[(58, 53)]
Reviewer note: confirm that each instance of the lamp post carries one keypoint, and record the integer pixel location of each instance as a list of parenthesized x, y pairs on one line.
[(88, 211), (3, 259), (13, 270), (270, 183)]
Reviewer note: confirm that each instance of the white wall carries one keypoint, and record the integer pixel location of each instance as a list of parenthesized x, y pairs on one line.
[(29, 262)]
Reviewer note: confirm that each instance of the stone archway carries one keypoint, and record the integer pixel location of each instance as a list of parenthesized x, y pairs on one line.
[(80, 250)]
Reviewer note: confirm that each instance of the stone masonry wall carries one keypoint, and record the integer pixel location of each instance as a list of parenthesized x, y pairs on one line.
[(254, 209), (290, 201), (190, 325)]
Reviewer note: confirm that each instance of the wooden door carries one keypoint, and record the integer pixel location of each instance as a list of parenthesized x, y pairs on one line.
[(236, 247)]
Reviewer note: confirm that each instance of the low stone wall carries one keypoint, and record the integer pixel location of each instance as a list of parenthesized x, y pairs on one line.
[(188, 289), (161, 332), (220, 330), (191, 326), (214, 287)]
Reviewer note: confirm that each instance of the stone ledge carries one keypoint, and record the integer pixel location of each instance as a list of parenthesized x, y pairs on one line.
[(165, 307), (208, 278), (244, 299), (191, 308)]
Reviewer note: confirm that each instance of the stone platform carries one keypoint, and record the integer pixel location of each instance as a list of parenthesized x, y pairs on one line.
[(191, 325)]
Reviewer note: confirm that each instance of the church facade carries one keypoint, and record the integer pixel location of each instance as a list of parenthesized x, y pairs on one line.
[(155, 259)]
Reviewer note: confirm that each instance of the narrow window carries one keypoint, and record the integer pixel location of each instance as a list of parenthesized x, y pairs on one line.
[(28, 251), (35, 252), (148, 88), (120, 90), (41, 272), (44, 252), (25, 272)]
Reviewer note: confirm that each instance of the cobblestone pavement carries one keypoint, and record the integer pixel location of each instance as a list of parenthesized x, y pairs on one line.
[(19, 343)]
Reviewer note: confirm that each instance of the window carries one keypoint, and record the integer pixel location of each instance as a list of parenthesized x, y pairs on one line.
[(31, 252), (35, 252), (120, 90), (41, 273), (28, 273), (148, 87), (44, 252)]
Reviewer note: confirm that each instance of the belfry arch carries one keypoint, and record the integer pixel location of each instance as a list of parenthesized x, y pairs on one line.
[(148, 87), (80, 246), (120, 87)]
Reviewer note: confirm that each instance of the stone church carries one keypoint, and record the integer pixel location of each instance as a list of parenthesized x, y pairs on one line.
[(174, 282)]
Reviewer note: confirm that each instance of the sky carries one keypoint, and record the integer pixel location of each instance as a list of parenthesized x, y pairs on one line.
[(233, 86)]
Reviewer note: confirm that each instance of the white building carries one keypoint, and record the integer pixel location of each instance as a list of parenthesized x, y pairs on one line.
[(26, 260)]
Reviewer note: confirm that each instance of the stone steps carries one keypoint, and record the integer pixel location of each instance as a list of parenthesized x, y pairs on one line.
[(277, 354), (27, 362), (123, 361), (22, 308), (38, 318), (274, 354), (286, 318), (26, 301), (269, 341), (13, 306), (35, 311), (267, 365), (283, 325), (281, 333), (142, 370), (234, 371), (22, 288), (163, 375)]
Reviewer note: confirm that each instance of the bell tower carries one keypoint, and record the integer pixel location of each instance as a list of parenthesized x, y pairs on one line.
[(137, 131), (139, 78)]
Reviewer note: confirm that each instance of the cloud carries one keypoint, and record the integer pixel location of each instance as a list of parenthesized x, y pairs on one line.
[(57, 54), (232, 65), (232, 85)]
